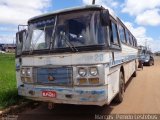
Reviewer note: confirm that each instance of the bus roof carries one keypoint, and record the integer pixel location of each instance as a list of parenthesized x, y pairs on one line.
[(68, 10)]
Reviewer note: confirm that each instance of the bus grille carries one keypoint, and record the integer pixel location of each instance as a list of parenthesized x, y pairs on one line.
[(58, 76)]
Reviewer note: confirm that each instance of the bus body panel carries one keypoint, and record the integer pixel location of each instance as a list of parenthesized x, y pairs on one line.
[(126, 59), (67, 59), (129, 68), (78, 95), (113, 82), (106, 93)]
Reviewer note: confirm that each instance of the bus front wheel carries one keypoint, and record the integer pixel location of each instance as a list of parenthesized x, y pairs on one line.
[(120, 95)]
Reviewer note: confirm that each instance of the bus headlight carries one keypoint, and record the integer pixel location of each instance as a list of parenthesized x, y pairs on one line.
[(82, 72), (28, 72), (23, 72), (94, 71)]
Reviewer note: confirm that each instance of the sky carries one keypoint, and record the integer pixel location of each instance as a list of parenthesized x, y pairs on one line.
[(142, 17)]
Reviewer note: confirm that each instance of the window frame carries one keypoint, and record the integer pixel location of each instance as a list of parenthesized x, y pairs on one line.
[(130, 35), (112, 44), (127, 36), (130, 39), (123, 27), (133, 38)]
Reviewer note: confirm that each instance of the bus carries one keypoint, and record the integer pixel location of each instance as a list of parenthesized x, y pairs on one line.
[(82, 56)]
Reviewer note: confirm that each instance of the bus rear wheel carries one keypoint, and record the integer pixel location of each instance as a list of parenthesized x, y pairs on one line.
[(120, 95), (134, 74)]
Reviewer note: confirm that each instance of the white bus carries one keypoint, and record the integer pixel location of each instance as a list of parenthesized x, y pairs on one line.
[(81, 56)]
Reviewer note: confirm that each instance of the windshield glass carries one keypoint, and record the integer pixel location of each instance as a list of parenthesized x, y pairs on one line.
[(39, 35), (80, 29), (69, 30)]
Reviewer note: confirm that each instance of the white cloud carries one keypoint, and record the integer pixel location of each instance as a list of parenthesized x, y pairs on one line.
[(149, 17), (8, 29), (7, 38), (146, 12), (134, 7), (111, 5), (14, 12), (32, 4), (142, 38), (138, 32), (105, 3), (19, 11), (155, 45)]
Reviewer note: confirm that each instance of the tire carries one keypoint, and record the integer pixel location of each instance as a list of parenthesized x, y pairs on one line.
[(134, 74), (119, 97), (149, 63)]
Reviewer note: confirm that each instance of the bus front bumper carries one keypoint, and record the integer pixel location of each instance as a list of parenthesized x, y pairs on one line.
[(77, 95)]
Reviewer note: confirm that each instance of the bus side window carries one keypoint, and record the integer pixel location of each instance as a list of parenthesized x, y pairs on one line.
[(135, 42), (122, 34), (127, 37), (114, 34), (131, 41)]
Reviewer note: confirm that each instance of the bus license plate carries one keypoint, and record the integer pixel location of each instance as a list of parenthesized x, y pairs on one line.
[(50, 94)]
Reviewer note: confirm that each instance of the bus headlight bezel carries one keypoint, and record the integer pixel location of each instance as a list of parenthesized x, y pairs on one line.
[(23, 72), (28, 72), (26, 75), (93, 71), (94, 75), (82, 72)]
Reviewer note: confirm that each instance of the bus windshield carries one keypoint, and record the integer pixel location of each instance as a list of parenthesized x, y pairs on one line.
[(76, 29), (80, 29)]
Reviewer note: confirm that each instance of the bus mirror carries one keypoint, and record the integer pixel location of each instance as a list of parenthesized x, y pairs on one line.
[(21, 35), (104, 17)]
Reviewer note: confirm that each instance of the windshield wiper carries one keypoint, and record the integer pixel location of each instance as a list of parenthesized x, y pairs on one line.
[(71, 46)]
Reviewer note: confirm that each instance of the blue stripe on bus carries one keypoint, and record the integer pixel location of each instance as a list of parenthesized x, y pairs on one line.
[(122, 60)]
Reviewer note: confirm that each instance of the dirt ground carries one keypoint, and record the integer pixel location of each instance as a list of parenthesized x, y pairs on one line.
[(142, 96)]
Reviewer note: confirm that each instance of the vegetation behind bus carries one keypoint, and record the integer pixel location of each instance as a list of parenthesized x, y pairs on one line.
[(8, 90)]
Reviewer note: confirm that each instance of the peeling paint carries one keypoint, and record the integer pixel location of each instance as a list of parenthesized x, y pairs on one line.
[(80, 92), (80, 96), (84, 99), (97, 92)]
